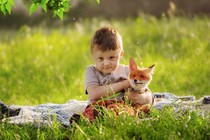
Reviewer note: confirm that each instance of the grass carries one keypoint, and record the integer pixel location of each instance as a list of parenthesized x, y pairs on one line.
[(163, 126), (40, 65)]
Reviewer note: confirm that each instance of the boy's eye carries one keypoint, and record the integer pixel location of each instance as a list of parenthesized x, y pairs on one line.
[(112, 57), (100, 58)]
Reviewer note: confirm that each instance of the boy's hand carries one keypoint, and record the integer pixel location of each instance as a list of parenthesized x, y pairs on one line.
[(126, 84)]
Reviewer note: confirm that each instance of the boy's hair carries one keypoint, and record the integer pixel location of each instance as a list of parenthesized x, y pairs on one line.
[(106, 39)]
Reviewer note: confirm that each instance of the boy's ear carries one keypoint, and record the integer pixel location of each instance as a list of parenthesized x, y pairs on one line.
[(132, 65), (150, 69), (121, 54)]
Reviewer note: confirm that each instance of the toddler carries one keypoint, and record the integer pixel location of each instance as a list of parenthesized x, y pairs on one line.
[(107, 78)]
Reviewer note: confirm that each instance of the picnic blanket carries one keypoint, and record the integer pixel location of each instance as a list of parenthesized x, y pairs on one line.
[(46, 114)]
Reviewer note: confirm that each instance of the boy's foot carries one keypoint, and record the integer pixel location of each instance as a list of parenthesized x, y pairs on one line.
[(206, 100), (159, 95), (7, 112), (74, 118)]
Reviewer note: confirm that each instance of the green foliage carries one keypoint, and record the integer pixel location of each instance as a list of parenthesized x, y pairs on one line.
[(59, 7), (6, 6)]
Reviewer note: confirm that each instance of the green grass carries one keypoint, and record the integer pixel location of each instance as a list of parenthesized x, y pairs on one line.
[(161, 125), (41, 64)]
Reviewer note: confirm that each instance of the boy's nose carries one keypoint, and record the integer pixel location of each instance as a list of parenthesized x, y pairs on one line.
[(106, 62)]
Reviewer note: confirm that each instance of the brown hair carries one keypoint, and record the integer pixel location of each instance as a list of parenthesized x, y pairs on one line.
[(106, 39)]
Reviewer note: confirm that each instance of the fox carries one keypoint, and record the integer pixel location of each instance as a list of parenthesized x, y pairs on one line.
[(139, 94)]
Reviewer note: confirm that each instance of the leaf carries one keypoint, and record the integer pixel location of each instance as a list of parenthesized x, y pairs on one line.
[(98, 1), (8, 7), (66, 5), (3, 1), (44, 6), (11, 2), (3, 9), (45, 1), (33, 8), (59, 13)]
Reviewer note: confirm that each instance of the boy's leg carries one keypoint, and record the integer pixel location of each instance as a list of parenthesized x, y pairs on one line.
[(7, 112)]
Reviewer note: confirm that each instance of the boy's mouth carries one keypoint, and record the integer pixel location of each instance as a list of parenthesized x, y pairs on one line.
[(107, 67)]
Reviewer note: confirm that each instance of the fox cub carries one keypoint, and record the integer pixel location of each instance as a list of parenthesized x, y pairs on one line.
[(139, 94)]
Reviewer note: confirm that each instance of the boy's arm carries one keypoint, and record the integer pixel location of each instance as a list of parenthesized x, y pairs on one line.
[(97, 92)]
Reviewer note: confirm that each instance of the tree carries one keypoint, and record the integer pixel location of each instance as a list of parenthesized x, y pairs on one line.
[(59, 7)]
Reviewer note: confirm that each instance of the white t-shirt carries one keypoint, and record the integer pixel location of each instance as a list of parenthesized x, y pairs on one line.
[(95, 77)]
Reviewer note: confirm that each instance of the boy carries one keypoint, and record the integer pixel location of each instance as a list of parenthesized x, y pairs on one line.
[(107, 77)]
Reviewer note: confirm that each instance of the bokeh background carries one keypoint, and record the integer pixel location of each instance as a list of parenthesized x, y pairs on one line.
[(82, 9)]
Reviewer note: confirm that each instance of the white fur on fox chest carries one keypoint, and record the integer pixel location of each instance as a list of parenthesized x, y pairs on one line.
[(145, 98)]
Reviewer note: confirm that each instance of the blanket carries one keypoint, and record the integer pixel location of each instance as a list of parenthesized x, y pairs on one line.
[(46, 114)]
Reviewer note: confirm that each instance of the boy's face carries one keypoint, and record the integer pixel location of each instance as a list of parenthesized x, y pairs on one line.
[(107, 61)]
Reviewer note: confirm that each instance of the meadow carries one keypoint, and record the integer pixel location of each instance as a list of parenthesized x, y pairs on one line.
[(43, 64)]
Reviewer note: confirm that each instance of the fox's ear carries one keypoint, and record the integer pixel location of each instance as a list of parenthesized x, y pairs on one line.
[(132, 64), (150, 69)]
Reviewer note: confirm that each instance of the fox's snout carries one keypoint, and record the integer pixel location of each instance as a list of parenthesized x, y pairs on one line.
[(137, 81)]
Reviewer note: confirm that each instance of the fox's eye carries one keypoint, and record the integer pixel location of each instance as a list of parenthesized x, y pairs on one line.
[(142, 76), (133, 75)]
